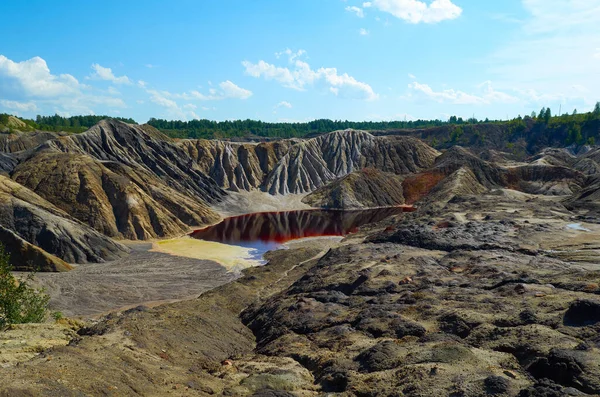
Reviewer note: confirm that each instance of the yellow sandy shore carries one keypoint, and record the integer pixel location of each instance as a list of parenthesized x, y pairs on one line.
[(231, 257)]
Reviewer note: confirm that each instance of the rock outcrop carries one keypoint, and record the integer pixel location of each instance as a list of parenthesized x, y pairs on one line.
[(19, 141), (315, 162), (367, 188), (125, 181), (40, 223), (28, 257), (115, 199), (236, 166), (141, 147)]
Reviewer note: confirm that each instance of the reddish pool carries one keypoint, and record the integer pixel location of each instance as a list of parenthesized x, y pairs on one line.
[(268, 230)]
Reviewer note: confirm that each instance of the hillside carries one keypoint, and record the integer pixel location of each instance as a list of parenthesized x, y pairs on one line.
[(367, 188)]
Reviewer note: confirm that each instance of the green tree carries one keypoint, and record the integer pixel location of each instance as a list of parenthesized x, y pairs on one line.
[(574, 135), (19, 302), (597, 109), (591, 141), (547, 116), (542, 114)]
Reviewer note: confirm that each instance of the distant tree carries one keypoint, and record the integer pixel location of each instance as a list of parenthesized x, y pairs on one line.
[(547, 116), (542, 114), (574, 112), (574, 135), (591, 141), (597, 109), (533, 115)]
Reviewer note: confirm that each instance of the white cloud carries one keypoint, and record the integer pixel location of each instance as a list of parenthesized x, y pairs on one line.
[(102, 73), (302, 75), (32, 78), (552, 51), (19, 106), (363, 32), (113, 91), (487, 96), (356, 10), (412, 76), (167, 100), (142, 83), (284, 104), (414, 11), (227, 90), (292, 56), (48, 92), (151, 66), (230, 90)]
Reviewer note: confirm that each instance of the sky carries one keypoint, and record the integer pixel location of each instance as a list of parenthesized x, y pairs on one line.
[(299, 60)]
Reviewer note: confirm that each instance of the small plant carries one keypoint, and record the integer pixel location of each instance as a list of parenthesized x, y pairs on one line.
[(19, 302), (57, 316)]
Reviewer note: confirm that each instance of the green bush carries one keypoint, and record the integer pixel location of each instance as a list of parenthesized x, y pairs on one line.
[(19, 302)]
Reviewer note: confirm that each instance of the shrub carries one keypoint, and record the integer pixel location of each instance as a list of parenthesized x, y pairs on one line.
[(19, 302)]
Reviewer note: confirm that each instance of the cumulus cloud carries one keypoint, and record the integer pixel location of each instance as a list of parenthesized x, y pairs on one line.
[(19, 106), (356, 10), (29, 86), (415, 11), (167, 100), (102, 73), (487, 95), (284, 104), (363, 32), (32, 78), (301, 75), (230, 90)]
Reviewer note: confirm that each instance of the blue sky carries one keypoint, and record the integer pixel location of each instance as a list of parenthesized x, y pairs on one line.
[(298, 60)]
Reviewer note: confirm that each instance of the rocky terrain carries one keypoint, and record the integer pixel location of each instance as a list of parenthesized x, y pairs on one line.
[(488, 294), (367, 188), (489, 288), (40, 236)]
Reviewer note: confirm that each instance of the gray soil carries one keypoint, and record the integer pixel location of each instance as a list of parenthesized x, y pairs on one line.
[(142, 277)]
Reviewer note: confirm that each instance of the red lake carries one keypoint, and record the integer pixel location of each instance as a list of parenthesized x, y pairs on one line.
[(269, 230)]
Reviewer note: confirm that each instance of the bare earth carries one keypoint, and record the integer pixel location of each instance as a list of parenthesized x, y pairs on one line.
[(142, 277)]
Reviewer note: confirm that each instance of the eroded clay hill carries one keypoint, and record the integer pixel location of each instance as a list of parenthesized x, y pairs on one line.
[(315, 162), (367, 188), (301, 166), (27, 220), (125, 181)]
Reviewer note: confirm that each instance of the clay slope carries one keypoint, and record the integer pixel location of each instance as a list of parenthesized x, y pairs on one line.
[(538, 177), (28, 257), (314, 162), (236, 166), (141, 147), (461, 182), (19, 141), (367, 188), (38, 222), (125, 181), (115, 199)]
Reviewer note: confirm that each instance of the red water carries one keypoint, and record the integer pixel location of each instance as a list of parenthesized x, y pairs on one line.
[(267, 230)]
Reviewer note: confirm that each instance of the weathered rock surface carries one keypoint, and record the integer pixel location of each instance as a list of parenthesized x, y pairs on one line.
[(17, 142), (236, 166), (141, 147), (40, 223), (115, 199), (28, 257), (313, 163), (367, 188), (484, 295)]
